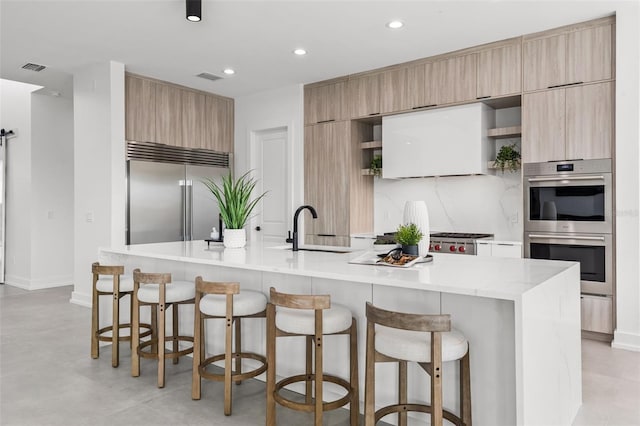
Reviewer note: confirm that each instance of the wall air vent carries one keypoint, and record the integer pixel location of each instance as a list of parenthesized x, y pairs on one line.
[(208, 76), (33, 67)]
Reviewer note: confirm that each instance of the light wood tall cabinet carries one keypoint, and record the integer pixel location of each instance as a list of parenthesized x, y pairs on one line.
[(333, 183), (575, 56), (568, 124), (500, 71), (165, 113)]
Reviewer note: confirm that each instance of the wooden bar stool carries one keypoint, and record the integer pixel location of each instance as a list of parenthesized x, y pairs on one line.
[(427, 340), (116, 286), (224, 301), (158, 292), (312, 317)]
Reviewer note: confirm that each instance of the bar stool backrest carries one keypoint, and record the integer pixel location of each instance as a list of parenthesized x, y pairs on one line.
[(98, 269), (414, 322), (299, 301), (210, 287), (150, 278)]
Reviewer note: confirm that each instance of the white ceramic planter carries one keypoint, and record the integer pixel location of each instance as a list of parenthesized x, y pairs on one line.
[(235, 238)]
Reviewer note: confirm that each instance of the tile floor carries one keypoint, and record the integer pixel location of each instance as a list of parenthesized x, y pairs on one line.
[(47, 377)]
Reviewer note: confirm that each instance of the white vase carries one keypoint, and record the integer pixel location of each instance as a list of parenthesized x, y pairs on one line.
[(235, 238), (416, 212)]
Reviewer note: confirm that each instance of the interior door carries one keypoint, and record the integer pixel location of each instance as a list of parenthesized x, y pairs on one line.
[(204, 211), (156, 192), (272, 215)]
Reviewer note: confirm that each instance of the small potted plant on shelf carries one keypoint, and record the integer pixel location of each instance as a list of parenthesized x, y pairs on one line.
[(508, 158), (234, 201), (409, 236), (376, 165)]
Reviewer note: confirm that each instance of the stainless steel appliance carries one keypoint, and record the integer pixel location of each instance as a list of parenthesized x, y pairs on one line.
[(593, 251), (166, 199), (569, 196), (455, 242), (445, 242)]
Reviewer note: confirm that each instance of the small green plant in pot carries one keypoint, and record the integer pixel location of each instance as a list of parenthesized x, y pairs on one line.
[(236, 206), (409, 236), (508, 158), (376, 165)]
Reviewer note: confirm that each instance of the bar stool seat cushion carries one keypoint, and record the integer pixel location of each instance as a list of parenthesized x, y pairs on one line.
[(105, 283), (244, 303), (177, 291), (416, 345), (302, 321)]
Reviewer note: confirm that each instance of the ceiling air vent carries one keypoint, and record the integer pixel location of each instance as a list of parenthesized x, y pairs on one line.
[(33, 67), (209, 76)]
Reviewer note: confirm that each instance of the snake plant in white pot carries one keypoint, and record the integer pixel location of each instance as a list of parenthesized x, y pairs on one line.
[(236, 206)]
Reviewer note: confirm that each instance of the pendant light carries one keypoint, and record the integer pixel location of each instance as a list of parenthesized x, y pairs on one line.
[(194, 10)]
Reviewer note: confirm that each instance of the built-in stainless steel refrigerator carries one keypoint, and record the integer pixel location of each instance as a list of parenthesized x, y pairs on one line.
[(167, 201)]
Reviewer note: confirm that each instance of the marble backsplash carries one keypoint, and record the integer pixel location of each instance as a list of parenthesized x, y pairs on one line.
[(484, 204)]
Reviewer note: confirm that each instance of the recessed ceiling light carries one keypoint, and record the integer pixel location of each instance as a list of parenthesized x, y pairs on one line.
[(300, 52), (394, 25), (228, 71)]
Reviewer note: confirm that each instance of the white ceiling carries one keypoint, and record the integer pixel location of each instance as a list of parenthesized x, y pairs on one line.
[(153, 38)]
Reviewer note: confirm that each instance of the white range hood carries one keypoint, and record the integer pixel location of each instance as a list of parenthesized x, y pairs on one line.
[(438, 142)]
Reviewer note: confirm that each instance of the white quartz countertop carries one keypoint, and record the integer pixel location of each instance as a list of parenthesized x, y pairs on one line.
[(497, 278)]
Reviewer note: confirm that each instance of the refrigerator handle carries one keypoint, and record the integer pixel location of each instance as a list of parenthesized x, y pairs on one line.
[(189, 206), (183, 216)]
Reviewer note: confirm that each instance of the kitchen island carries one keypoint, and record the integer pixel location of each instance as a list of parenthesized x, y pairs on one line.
[(521, 317)]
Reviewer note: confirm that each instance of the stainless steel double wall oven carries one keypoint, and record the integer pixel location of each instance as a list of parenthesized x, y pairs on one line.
[(569, 216)]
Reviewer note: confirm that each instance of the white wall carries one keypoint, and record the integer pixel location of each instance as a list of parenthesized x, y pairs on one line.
[(269, 110), (99, 163), (15, 113), (52, 191), (627, 158)]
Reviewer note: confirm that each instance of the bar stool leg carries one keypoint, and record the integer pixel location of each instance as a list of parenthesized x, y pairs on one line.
[(95, 310), (238, 348), (402, 391), (436, 379), (196, 380), (115, 328), (161, 338), (154, 328), (308, 395), (131, 320), (271, 365), (353, 374), (135, 336), (318, 368), (465, 390), (370, 377), (175, 332), (228, 337)]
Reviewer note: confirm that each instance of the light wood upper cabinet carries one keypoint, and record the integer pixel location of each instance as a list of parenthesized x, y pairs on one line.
[(140, 109), (220, 121), (590, 118), (543, 126), (325, 103), (589, 54), (544, 62), (168, 115), (393, 91), (568, 124), (454, 79), (421, 86), (574, 57), (500, 71), (193, 119), (364, 95)]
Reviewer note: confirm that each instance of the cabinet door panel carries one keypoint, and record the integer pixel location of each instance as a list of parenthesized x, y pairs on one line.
[(219, 127), (193, 119), (168, 115), (313, 104), (543, 126), (421, 86), (364, 96), (140, 109), (336, 101), (393, 91), (589, 55), (455, 79), (590, 121), (500, 71), (597, 313), (544, 62)]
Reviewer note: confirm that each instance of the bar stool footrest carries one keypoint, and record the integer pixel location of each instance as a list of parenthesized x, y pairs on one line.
[(310, 407), (169, 354), (236, 377), (103, 330), (422, 408)]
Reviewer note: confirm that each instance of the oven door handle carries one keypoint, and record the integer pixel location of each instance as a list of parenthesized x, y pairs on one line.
[(566, 237), (566, 178)]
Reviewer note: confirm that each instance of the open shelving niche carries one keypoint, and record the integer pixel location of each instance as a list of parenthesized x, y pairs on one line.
[(508, 128), (371, 147)]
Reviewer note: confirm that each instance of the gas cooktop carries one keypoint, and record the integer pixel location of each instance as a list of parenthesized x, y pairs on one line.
[(446, 242)]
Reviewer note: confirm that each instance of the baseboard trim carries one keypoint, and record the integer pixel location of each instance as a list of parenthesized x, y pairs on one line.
[(38, 284), (81, 299), (627, 341)]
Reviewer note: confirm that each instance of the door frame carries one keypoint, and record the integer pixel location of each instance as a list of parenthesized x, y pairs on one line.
[(255, 137)]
